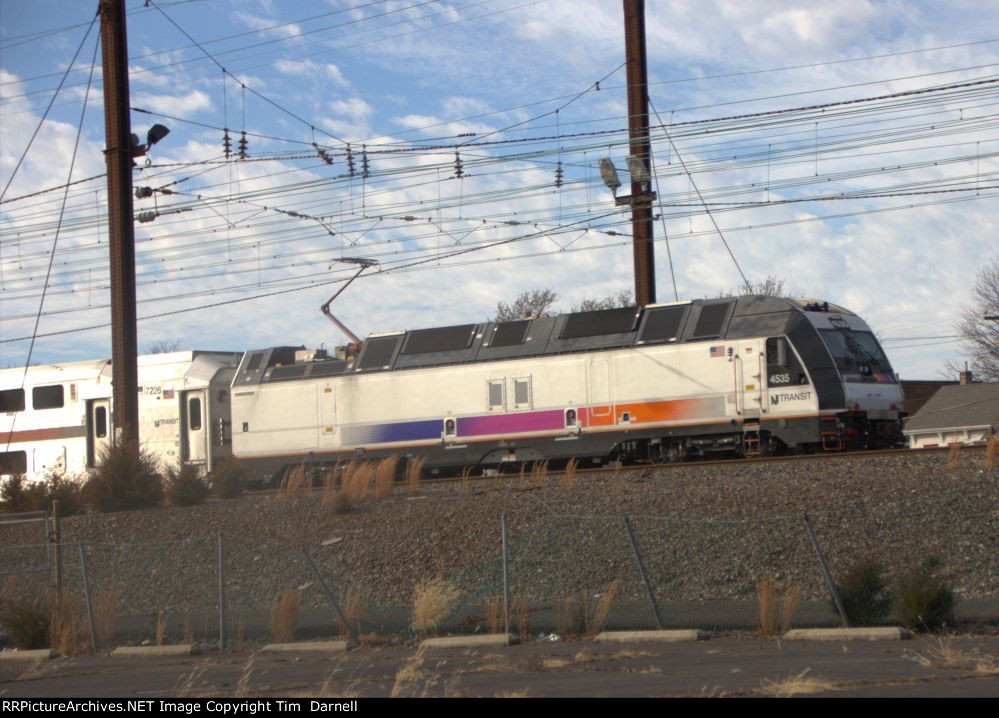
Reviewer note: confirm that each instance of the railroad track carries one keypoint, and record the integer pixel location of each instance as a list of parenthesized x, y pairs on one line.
[(632, 468)]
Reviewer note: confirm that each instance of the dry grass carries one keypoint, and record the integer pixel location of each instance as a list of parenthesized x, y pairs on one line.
[(942, 653), (68, 631), (953, 457), (569, 619), (522, 478), (568, 482), (521, 612), (184, 687), (243, 685), (385, 476), (106, 601), (354, 611), (284, 617), (433, 603), (776, 612), (160, 627), (539, 472), (796, 685), (597, 617), (329, 485), (240, 638), (466, 474), (358, 480), (188, 637), (513, 694), (294, 483), (414, 474), (494, 614), (991, 451)]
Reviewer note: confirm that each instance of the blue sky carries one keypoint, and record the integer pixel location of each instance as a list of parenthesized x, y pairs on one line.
[(882, 205)]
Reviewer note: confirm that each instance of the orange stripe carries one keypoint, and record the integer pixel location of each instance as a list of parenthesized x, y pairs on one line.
[(54, 434)]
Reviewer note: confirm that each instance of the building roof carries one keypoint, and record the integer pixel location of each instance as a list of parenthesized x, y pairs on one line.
[(919, 391), (963, 405)]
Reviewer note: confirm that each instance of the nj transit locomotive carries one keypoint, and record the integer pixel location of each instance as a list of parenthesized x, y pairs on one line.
[(751, 375)]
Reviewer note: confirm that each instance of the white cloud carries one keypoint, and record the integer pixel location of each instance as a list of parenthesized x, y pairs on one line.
[(312, 70), (189, 104)]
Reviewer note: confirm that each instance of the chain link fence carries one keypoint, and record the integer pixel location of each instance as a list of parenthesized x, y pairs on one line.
[(557, 574)]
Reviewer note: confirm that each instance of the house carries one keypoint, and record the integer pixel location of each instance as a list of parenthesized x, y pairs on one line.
[(959, 414)]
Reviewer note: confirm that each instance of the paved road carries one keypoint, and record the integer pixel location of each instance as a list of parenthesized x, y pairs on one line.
[(718, 667)]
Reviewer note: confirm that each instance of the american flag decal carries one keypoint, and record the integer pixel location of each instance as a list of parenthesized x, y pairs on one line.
[(717, 351)]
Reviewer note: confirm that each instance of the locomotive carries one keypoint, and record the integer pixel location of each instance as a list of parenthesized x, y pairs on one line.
[(750, 375)]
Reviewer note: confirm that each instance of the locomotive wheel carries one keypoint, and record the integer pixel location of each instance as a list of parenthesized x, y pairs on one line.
[(674, 453)]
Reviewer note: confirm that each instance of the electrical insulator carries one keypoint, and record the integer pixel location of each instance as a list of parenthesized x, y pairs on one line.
[(143, 192), (227, 143), (459, 170), (242, 145), (145, 217), (364, 162), (351, 170), (323, 154), (558, 174)]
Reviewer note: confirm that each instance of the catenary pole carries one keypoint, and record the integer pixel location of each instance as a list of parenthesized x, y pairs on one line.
[(641, 150), (118, 133)]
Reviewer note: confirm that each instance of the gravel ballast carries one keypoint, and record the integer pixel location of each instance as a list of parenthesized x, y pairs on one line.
[(706, 533)]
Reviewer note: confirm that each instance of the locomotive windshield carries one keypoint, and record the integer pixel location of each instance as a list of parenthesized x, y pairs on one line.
[(858, 355)]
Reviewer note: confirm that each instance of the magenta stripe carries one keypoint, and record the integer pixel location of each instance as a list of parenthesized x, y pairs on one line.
[(510, 423)]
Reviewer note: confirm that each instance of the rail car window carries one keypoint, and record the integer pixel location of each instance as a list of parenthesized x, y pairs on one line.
[(194, 414), (776, 352), (709, 324), (254, 362), (13, 462), (100, 422), (11, 400), (496, 402), (378, 352), (855, 352), (601, 321), (439, 339), (47, 397), (662, 324), (510, 334), (522, 393)]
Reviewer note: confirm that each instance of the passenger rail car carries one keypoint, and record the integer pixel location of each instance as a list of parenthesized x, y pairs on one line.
[(59, 417), (750, 375)]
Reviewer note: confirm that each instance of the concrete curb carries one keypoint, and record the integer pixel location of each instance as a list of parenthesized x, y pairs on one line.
[(671, 636), (184, 649), (33, 655), (308, 647), (486, 641), (877, 633)]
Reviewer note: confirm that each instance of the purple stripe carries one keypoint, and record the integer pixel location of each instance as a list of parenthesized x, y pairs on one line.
[(510, 423)]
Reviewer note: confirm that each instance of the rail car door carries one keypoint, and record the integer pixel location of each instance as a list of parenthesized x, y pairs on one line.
[(750, 379), (98, 429), (600, 410), (327, 413), (194, 431)]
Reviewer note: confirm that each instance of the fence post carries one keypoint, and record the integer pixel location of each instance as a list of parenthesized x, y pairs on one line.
[(86, 596), (221, 593), (825, 570), (641, 570), (506, 584), (329, 595)]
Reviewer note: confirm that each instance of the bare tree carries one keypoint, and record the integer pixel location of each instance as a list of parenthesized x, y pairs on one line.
[(163, 347), (769, 287), (536, 303), (979, 325), (614, 301)]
